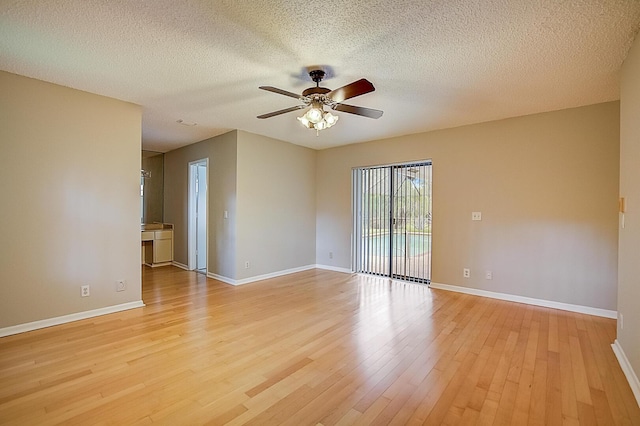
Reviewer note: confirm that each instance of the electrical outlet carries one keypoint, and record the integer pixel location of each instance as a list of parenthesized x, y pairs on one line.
[(84, 291), (466, 272), (476, 215), (330, 255), (488, 275), (246, 265), (121, 285)]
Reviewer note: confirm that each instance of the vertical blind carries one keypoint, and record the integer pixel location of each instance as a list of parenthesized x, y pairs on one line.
[(392, 221)]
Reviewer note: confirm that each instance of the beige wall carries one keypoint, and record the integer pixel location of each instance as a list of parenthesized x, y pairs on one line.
[(222, 154), (70, 173), (268, 189), (629, 266), (276, 205), (546, 185)]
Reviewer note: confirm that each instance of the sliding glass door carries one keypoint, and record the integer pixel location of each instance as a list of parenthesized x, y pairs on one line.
[(392, 221)]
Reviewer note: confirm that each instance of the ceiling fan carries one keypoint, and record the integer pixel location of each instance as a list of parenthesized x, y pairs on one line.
[(317, 97)]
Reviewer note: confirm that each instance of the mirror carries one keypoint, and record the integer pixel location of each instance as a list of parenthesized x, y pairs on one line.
[(152, 187)]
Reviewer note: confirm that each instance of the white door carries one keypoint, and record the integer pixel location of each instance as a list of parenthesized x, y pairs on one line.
[(198, 234), (201, 219)]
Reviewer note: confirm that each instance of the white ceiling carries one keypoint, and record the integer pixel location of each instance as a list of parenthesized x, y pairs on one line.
[(435, 64)]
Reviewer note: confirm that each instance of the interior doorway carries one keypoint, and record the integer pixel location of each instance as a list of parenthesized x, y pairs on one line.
[(198, 201), (392, 221)]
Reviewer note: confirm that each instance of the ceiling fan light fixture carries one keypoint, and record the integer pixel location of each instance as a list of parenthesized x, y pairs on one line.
[(318, 119)]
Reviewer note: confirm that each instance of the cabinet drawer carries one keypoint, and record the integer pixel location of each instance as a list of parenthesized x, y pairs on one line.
[(147, 235), (163, 235)]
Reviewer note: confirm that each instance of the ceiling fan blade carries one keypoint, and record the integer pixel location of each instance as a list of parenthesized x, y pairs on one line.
[(365, 112), (280, 91), (352, 90), (282, 111)]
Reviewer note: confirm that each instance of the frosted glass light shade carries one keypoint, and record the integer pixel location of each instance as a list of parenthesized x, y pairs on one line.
[(320, 125), (304, 121), (330, 119), (314, 115)]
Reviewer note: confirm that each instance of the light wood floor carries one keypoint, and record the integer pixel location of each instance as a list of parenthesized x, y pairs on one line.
[(316, 347)]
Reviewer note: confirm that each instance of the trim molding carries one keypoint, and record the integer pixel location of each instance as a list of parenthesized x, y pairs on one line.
[(180, 265), (529, 300), (35, 325), (627, 369), (335, 269), (259, 277)]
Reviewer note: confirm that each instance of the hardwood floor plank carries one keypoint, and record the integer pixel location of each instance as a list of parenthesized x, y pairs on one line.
[(553, 412), (590, 365), (586, 414), (569, 402), (488, 413), (429, 383), (583, 393), (601, 408), (467, 390), (229, 415), (277, 376), (372, 412), (553, 344), (448, 395), (432, 395), (523, 398), (349, 418), (504, 412), (537, 410), (315, 347)]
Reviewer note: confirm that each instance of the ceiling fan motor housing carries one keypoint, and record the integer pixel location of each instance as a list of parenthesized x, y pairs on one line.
[(316, 76), (315, 91)]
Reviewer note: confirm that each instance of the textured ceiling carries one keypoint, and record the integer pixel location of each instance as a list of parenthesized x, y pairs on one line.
[(435, 64)]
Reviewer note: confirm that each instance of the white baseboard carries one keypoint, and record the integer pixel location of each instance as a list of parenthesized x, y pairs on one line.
[(35, 325), (157, 265), (221, 278), (259, 277), (180, 265), (631, 376), (334, 268), (529, 300)]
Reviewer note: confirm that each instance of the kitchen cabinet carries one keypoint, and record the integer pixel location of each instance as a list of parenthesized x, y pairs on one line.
[(157, 244)]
